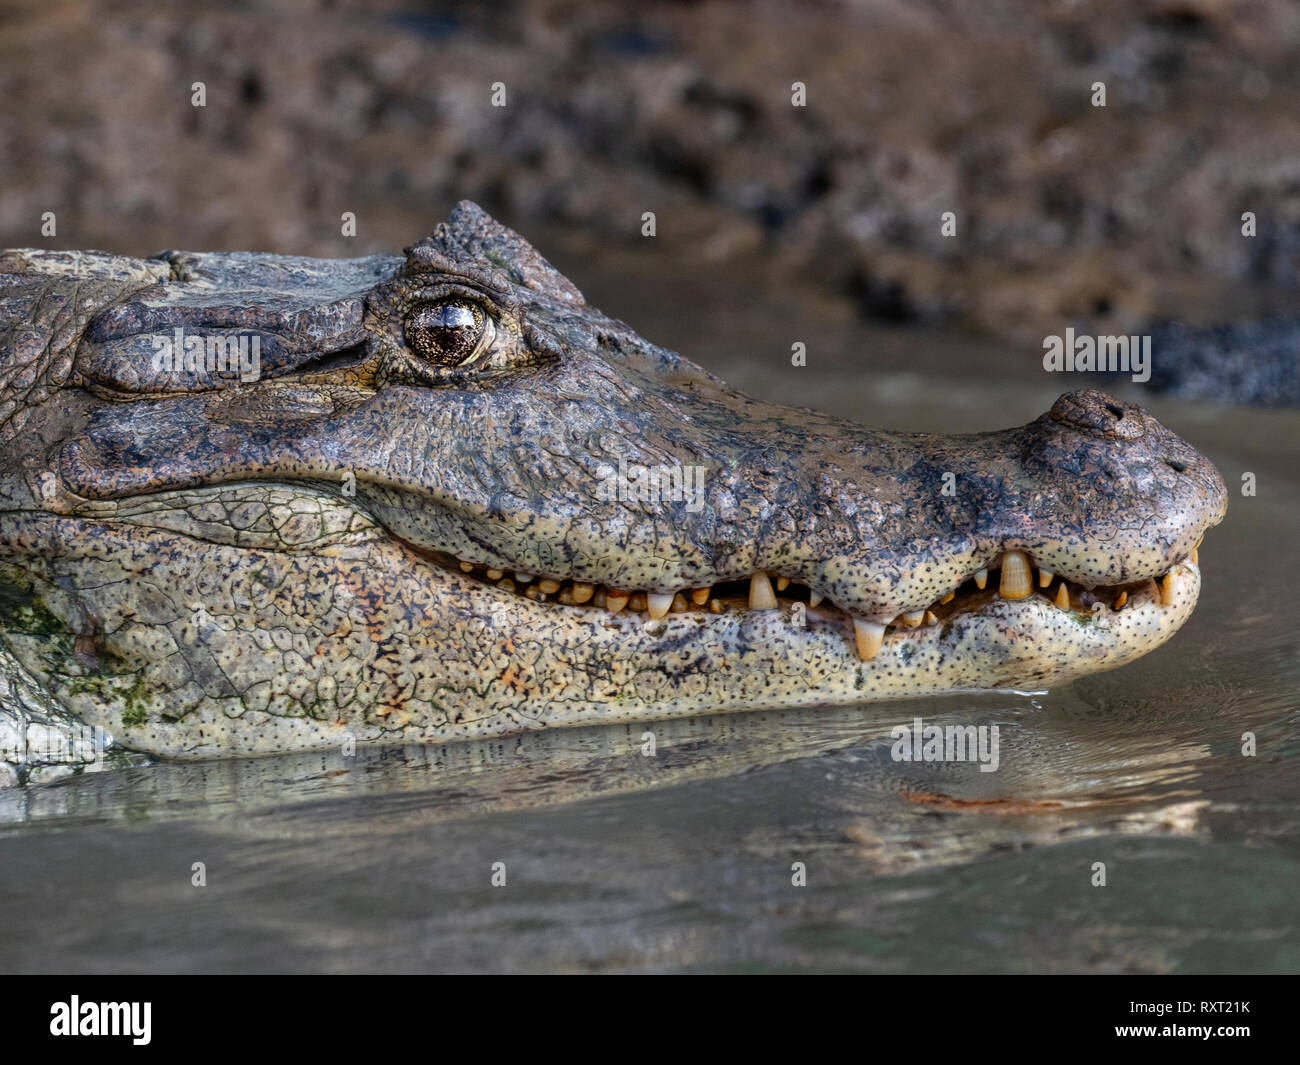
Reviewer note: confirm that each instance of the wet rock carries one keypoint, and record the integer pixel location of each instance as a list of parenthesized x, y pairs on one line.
[(1251, 362), (1104, 217)]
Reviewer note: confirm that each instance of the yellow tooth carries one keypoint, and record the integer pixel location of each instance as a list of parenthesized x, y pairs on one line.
[(507, 584), (782, 583), (912, 619), (981, 578), (1045, 577), (565, 596), (1017, 577), (523, 578), (930, 617), (1196, 556), (1168, 586), (869, 636), (548, 586), (615, 601), (600, 599), (582, 592), (815, 598), (1062, 597), (637, 601), (761, 596), (948, 598), (679, 604), (658, 604), (1121, 600), (715, 606), (700, 596), (467, 567), (495, 574), (531, 592)]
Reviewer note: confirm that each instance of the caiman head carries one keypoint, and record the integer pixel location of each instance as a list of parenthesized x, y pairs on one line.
[(254, 502)]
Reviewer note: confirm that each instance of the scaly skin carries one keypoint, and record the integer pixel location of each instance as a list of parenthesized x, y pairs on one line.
[(208, 567)]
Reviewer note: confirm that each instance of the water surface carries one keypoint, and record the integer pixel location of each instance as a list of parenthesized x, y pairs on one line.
[(684, 860)]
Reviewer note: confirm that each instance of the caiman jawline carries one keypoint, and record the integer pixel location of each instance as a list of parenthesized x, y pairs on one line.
[(1013, 578)]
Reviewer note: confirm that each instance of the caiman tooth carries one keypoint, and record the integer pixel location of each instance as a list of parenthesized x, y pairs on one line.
[(981, 578), (700, 596), (1017, 576), (637, 602), (1196, 556), (715, 606), (815, 598), (658, 604), (869, 636), (948, 598), (507, 584), (523, 578), (761, 596), (600, 600), (1045, 577), (1121, 599), (782, 583), (531, 592), (679, 604), (495, 574), (1168, 586), (548, 586), (615, 600), (930, 617), (913, 618), (467, 567), (1062, 599), (565, 597), (582, 592)]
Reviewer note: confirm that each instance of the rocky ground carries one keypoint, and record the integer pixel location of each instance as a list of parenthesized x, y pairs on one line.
[(1107, 218)]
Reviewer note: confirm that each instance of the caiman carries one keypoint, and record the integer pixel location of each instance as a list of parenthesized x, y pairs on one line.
[(255, 503)]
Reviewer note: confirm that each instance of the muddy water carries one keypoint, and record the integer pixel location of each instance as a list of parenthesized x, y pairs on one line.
[(683, 860)]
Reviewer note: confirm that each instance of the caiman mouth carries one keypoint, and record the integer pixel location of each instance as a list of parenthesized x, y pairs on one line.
[(1013, 577)]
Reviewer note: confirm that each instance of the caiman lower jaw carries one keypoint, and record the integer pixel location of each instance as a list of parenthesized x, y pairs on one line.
[(1015, 581)]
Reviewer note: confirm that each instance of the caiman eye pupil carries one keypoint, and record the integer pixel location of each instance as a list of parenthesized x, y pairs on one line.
[(445, 333)]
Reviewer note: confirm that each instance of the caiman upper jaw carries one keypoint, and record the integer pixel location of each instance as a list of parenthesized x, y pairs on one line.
[(1096, 505)]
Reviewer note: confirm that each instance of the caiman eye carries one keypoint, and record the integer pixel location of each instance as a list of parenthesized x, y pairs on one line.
[(450, 332)]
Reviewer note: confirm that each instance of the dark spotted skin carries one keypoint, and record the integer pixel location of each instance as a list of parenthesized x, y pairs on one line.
[(225, 565)]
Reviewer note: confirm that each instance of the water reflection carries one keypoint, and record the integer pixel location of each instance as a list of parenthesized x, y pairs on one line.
[(689, 858)]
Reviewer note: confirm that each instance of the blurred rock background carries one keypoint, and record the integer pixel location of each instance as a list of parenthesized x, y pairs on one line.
[(1106, 218)]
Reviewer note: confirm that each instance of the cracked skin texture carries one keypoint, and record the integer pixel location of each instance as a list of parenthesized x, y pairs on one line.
[(208, 566)]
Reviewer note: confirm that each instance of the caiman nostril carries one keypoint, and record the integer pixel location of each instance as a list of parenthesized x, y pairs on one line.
[(1176, 465), (1098, 413)]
